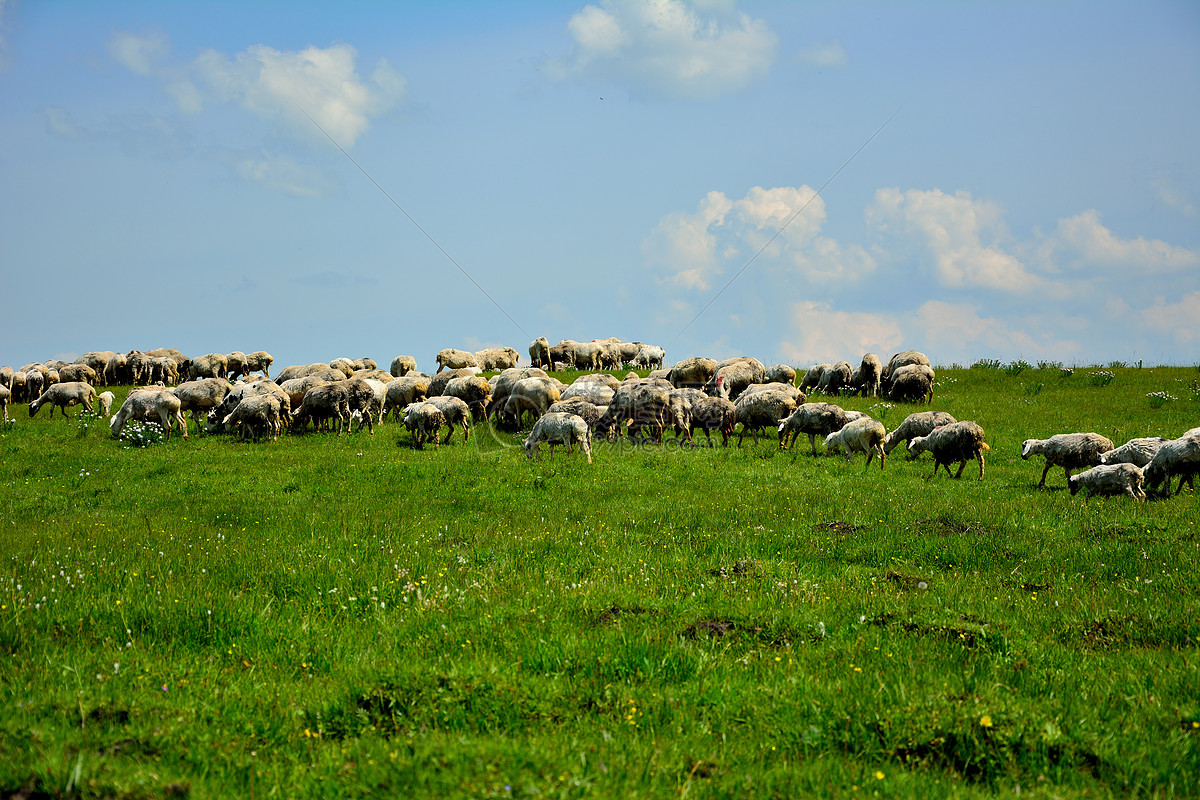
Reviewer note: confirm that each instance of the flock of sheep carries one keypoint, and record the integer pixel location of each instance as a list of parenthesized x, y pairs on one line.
[(223, 393)]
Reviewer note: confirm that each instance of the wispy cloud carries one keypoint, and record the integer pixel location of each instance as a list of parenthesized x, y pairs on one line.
[(284, 174), (666, 48), (59, 122), (824, 54)]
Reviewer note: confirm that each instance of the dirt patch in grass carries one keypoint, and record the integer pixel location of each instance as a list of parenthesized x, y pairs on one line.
[(907, 581), (1117, 631), (838, 527), (986, 757), (971, 632), (945, 526), (614, 612), (770, 635), (743, 567)]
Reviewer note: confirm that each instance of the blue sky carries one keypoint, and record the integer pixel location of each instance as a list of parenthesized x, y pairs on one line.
[(602, 170)]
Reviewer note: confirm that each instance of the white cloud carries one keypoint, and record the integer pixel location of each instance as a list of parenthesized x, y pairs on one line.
[(824, 54), (59, 122), (142, 53), (965, 237), (667, 48), (1167, 193), (958, 331), (690, 249), (1091, 245), (283, 174), (273, 84), (1179, 321), (819, 334)]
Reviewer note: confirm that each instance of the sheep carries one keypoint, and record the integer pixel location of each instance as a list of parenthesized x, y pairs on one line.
[(259, 361), (364, 398), (1067, 450), (449, 358), (738, 373), (164, 369), (454, 410), (1177, 457), (202, 395), (649, 357), (958, 441), (757, 410), (146, 404), (379, 388), (595, 392), (692, 372), (502, 384), (713, 414), (835, 378), (1136, 451), (900, 360), (77, 373), (866, 379), (812, 378), (424, 421), (815, 419), (539, 353), (589, 412), (344, 365), (781, 373), (1192, 432), (117, 370), (235, 365), (297, 388), (212, 365), (787, 388), (404, 392), (1121, 478), (559, 428), (6, 393), (585, 355), (911, 388), (62, 395), (241, 390), (6, 374), (402, 365), (439, 382), (476, 392), (106, 401), (561, 353), (496, 359), (609, 355), (680, 407), (256, 414), (534, 395), (644, 403), (373, 374), (330, 401), (28, 383), (98, 361), (863, 435), (921, 423)]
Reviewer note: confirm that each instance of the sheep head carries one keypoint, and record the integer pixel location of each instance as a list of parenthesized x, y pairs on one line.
[(1029, 447)]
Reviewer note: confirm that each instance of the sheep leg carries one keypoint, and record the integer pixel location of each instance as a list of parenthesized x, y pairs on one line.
[(979, 455), (1045, 472), (961, 465), (812, 439)]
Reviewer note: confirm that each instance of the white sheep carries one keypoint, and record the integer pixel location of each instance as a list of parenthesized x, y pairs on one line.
[(863, 435), (106, 401), (649, 357), (1177, 457), (539, 353), (1121, 478), (454, 409), (1067, 450), (921, 423), (402, 365), (5, 394), (256, 414), (450, 358), (62, 395), (958, 441), (150, 404), (424, 421), (1136, 451), (557, 427), (815, 419), (758, 410)]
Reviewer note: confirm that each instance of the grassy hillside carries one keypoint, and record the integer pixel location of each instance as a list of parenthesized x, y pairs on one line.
[(347, 616)]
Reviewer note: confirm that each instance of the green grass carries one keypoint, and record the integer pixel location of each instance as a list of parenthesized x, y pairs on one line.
[(346, 616)]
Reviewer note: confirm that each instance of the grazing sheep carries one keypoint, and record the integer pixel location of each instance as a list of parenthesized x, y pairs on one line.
[(866, 379), (318, 369), (424, 421), (561, 353), (31, 382), (539, 353), (502, 384), (713, 414), (62, 395), (958, 441), (77, 373), (649, 357), (258, 361), (256, 414), (815, 419), (237, 393), (738, 373), (235, 363), (534, 395), (496, 359), (835, 378), (589, 412), (1139, 452), (439, 382), (1067, 450), (585, 355), (596, 392), (344, 365), (1177, 457), (323, 404), (402, 365), (116, 372), (781, 373), (106, 401), (911, 388), (5, 394), (403, 392), (787, 388), (863, 435), (921, 423), (212, 365), (297, 388), (454, 410), (98, 361), (692, 372), (897, 361), (449, 358), (201, 396), (475, 391), (758, 410), (812, 378), (150, 404), (365, 398), (559, 428), (1122, 478), (643, 403)]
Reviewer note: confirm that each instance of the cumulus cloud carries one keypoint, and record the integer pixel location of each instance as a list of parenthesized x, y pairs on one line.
[(961, 331), (966, 238), (667, 48), (824, 54), (690, 249), (323, 83), (820, 334), (1088, 244), (1178, 322)]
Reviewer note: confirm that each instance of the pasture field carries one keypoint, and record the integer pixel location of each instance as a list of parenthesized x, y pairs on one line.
[(347, 616)]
